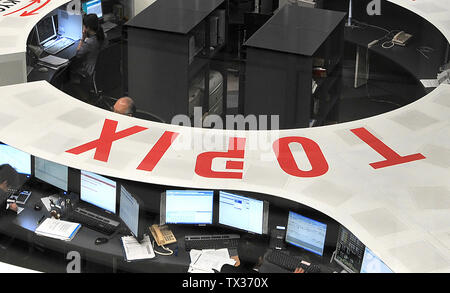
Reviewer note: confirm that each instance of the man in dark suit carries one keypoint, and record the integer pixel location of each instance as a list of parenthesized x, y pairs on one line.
[(8, 177)]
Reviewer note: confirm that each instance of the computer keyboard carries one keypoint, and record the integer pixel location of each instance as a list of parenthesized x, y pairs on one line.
[(93, 221), (58, 46), (229, 241), (290, 262)]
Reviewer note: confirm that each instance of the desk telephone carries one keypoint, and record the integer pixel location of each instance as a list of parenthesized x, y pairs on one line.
[(401, 38), (162, 235)]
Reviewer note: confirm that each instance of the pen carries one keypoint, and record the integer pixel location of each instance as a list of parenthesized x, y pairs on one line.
[(43, 217)]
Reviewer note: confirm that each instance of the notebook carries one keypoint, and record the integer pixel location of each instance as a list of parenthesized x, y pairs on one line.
[(58, 229)]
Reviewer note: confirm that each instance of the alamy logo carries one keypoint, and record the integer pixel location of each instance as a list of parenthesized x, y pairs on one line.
[(74, 265), (374, 7)]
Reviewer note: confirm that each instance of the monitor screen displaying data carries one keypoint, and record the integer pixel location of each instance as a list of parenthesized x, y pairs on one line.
[(19, 160), (372, 264), (129, 211), (46, 29), (306, 233), (242, 212), (51, 173), (98, 190), (349, 251), (93, 6), (189, 206)]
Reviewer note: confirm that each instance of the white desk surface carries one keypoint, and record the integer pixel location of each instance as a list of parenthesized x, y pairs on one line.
[(402, 212)]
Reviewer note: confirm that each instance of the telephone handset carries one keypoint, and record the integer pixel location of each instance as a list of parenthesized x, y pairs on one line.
[(162, 235), (401, 38)]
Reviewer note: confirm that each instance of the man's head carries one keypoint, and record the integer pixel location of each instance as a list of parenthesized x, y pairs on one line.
[(8, 177), (251, 252), (125, 106)]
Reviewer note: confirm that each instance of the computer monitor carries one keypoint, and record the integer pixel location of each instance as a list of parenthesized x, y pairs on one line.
[(19, 160), (306, 233), (243, 213), (98, 191), (93, 6), (52, 173), (130, 212), (187, 207), (349, 251), (46, 30), (372, 264)]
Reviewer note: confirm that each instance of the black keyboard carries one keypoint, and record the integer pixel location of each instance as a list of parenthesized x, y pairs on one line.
[(230, 241), (95, 224), (290, 262)]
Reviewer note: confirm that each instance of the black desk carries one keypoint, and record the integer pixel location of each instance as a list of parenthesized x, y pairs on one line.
[(114, 35), (49, 75), (407, 57), (109, 254)]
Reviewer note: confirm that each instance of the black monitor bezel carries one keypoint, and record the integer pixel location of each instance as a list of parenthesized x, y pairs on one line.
[(142, 228)]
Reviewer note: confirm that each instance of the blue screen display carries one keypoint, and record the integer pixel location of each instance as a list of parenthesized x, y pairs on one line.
[(306, 233), (19, 160), (94, 6)]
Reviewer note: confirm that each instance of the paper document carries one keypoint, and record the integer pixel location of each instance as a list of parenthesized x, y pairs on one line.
[(46, 201), (430, 82), (135, 250), (53, 60), (204, 261), (58, 229), (19, 210)]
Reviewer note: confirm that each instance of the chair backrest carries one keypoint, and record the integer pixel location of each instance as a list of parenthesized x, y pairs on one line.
[(148, 116), (108, 68)]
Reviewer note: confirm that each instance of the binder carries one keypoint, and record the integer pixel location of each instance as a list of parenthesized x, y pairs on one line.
[(58, 229)]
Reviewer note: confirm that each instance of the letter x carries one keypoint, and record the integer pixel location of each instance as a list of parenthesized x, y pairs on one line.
[(103, 145)]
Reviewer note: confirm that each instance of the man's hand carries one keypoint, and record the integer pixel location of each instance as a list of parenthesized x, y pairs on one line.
[(299, 271), (13, 207)]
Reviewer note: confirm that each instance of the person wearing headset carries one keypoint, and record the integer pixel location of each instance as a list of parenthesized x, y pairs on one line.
[(83, 65)]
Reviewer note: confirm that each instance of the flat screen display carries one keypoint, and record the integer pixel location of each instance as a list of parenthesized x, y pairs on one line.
[(242, 212), (98, 191), (129, 211), (17, 159), (372, 264), (306, 233), (94, 7), (51, 173), (46, 30), (188, 206)]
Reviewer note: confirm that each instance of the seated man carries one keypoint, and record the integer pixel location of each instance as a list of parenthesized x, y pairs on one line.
[(125, 106), (8, 177), (250, 257)]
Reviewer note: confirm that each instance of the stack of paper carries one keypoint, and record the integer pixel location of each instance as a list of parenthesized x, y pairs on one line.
[(53, 62), (58, 229), (204, 261), (135, 250)]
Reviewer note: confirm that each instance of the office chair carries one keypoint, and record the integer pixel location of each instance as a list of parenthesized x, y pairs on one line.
[(148, 116), (107, 76)]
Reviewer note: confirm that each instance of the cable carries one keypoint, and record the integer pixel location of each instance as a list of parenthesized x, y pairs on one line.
[(170, 252), (385, 45), (424, 50)]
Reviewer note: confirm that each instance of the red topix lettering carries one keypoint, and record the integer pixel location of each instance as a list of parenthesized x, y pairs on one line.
[(392, 158)]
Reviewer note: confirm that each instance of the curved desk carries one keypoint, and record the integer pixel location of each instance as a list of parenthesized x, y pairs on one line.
[(400, 211)]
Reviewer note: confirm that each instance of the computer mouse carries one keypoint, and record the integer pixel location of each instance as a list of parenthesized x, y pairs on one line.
[(37, 207), (101, 240), (43, 69)]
